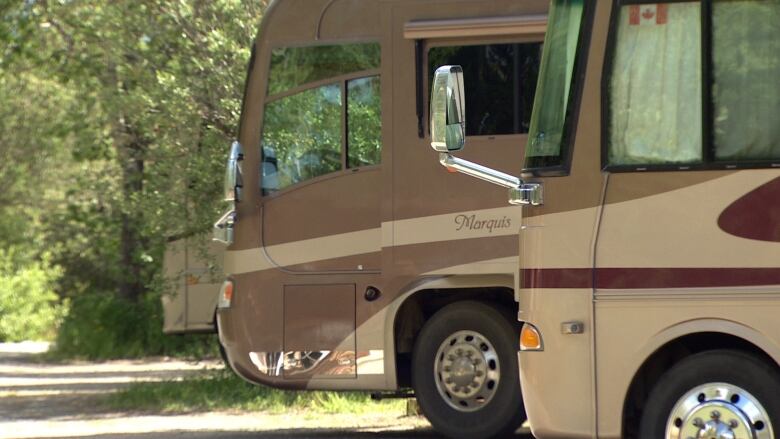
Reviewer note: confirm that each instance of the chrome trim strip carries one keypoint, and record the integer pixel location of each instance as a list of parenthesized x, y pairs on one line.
[(770, 292), (478, 171)]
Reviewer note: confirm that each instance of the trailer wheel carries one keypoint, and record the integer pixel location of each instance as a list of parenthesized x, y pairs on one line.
[(719, 394), (464, 372)]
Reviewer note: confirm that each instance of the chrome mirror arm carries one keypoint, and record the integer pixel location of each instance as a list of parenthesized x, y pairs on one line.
[(519, 192), (478, 171), (223, 228)]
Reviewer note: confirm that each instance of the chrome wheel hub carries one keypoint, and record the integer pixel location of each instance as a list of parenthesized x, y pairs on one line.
[(466, 371), (718, 411)]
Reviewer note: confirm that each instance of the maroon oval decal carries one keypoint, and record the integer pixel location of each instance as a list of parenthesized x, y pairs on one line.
[(756, 215)]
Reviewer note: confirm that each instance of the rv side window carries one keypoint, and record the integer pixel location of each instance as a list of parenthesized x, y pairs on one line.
[(302, 133), (746, 79), (655, 88), (500, 87), (364, 122), (294, 66), (658, 100), (314, 125)]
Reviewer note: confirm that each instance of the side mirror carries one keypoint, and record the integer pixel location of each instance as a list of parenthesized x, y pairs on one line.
[(233, 178), (448, 110)]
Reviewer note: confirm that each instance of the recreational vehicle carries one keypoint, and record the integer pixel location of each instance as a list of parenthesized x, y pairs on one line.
[(649, 264), (353, 261), (194, 280)]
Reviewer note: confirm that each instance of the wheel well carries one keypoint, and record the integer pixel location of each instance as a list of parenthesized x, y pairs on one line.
[(664, 358), (423, 304)]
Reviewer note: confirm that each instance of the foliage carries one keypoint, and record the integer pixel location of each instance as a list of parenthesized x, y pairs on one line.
[(116, 120), (104, 326), (29, 308), (222, 389)]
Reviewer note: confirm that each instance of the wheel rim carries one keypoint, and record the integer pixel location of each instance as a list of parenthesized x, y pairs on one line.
[(718, 411), (467, 371)]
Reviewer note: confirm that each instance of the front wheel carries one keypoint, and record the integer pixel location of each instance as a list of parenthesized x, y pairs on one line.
[(714, 394), (464, 372)]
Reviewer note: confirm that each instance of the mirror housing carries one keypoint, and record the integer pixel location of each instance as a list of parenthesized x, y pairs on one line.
[(233, 175), (448, 110), (448, 133)]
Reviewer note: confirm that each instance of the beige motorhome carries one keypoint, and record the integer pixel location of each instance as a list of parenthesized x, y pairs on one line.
[(353, 261), (649, 274), (190, 268)]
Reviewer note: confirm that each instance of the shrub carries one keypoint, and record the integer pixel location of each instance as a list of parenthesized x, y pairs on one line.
[(29, 307), (103, 326)]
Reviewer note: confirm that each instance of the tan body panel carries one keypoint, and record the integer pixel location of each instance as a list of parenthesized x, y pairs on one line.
[(403, 226), (642, 259)]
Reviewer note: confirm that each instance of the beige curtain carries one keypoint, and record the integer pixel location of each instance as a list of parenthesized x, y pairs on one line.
[(655, 87)]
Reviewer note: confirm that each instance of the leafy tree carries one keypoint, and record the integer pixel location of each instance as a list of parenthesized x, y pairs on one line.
[(116, 120), (157, 87)]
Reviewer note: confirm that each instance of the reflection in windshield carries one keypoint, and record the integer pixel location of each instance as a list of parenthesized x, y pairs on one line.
[(548, 121)]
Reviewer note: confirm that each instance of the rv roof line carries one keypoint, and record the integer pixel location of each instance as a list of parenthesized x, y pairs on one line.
[(322, 15)]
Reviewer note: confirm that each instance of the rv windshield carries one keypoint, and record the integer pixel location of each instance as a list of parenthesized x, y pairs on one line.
[(547, 135)]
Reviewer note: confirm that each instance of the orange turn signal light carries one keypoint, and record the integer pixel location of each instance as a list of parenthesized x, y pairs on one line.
[(226, 294), (530, 338)]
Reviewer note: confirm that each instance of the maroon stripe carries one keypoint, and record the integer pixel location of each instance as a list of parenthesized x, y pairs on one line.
[(635, 278), (557, 278)]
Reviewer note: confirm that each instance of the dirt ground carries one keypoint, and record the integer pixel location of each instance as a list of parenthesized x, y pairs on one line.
[(39, 400)]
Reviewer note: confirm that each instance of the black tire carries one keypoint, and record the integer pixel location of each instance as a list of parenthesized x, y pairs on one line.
[(743, 370), (504, 412), (222, 352), (223, 355)]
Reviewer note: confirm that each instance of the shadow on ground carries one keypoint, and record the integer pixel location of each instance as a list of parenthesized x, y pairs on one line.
[(61, 400), (278, 434)]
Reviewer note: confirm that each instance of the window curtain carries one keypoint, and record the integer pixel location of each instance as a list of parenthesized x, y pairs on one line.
[(746, 79), (655, 85)]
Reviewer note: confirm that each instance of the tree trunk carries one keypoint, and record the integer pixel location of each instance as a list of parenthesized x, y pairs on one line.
[(132, 285)]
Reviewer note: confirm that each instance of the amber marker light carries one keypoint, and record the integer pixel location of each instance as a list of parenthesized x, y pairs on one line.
[(530, 338), (226, 294)]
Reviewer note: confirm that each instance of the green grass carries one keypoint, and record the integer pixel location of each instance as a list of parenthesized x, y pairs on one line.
[(222, 390)]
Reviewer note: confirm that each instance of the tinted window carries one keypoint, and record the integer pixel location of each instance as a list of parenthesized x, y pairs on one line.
[(500, 84), (302, 137), (547, 141), (294, 66), (364, 122), (746, 79)]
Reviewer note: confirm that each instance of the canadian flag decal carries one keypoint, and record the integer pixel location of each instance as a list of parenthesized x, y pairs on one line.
[(648, 14)]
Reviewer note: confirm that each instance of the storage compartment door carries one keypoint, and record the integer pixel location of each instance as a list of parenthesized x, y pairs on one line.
[(319, 331)]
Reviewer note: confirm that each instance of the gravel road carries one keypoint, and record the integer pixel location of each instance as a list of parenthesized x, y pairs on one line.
[(40, 400)]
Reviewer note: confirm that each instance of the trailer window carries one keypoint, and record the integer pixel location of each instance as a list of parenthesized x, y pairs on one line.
[(501, 86), (678, 98)]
